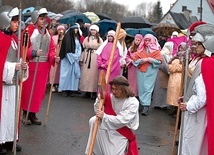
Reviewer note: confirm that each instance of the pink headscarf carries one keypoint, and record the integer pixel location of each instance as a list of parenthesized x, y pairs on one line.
[(139, 36), (153, 44)]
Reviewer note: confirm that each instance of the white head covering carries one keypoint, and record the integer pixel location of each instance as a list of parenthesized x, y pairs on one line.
[(80, 31), (110, 33), (167, 50), (175, 33), (94, 27)]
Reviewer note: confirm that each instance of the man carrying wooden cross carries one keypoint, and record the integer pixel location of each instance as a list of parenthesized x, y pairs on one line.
[(118, 117)]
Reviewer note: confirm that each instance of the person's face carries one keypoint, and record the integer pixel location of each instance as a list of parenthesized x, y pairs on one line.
[(41, 21), (60, 31), (93, 32), (110, 38), (137, 41), (116, 91), (147, 41), (199, 48), (180, 48), (14, 24), (76, 30)]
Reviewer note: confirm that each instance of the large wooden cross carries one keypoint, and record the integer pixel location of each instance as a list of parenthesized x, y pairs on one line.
[(103, 81)]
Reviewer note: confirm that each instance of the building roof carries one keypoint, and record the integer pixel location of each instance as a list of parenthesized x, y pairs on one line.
[(193, 5), (180, 20)]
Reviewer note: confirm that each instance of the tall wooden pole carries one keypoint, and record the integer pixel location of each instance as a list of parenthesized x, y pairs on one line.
[(54, 74), (103, 87), (17, 83)]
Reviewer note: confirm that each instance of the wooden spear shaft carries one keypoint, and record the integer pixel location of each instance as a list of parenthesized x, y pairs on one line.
[(17, 83), (178, 110), (102, 100), (54, 74)]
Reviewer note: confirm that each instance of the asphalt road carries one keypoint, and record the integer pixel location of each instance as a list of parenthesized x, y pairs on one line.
[(66, 131)]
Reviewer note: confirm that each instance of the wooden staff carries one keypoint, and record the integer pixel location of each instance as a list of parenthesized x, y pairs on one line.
[(17, 84), (103, 81), (178, 110), (182, 92), (54, 73)]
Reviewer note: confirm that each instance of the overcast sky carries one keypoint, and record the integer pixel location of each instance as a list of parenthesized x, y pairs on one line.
[(133, 3)]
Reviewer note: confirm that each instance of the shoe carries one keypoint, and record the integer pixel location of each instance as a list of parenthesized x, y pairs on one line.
[(34, 119), (24, 120), (145, 110), (9, 146), (53, 89), (93, 95), (3, 150), (64, 93), (87, 95), (71, 94), (140, 108), (18, 148)]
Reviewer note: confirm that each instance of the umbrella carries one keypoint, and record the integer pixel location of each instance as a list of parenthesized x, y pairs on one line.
[(72, 17), (106, 25), (103, 16), (165, 29), (29, 9), (67, 11), (92, 16), (135, 22), (143, 31)]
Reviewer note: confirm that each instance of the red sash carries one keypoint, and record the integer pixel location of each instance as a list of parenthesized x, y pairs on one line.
[(207, 71), (124, 131), (4, 47)]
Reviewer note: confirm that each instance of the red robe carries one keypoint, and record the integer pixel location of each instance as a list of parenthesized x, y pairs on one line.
[(207, 70), (125, 131), (41, 78), (5, 42)]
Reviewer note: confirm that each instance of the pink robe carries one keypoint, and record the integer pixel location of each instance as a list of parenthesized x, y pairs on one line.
[(56, 79), (132, 73), (103, 59), (41, 78)]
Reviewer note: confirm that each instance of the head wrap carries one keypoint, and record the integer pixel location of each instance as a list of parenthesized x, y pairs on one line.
[(153, 44), (139, 36), (111, 33), (60, 27), (122, 33), (76, 25), (175, 33), (119, 80), (167, 50), (94, 27)]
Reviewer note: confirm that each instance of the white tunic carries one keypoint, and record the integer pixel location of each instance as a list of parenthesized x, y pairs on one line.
[(195, 122), (8, 104), (108, 140)]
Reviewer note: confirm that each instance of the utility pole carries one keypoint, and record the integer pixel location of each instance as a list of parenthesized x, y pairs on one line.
[(200, 10)]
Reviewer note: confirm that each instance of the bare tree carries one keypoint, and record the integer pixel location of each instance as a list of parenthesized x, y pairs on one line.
[(51, 5)]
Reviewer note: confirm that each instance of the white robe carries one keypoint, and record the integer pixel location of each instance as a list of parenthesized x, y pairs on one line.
[(108, 140), (194, 141), (7, 119)]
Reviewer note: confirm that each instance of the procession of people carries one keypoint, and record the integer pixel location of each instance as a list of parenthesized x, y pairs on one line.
[(155, 79)]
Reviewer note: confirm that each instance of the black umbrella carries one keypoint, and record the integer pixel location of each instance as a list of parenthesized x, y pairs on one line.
[(135, 22), (103, 16)]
